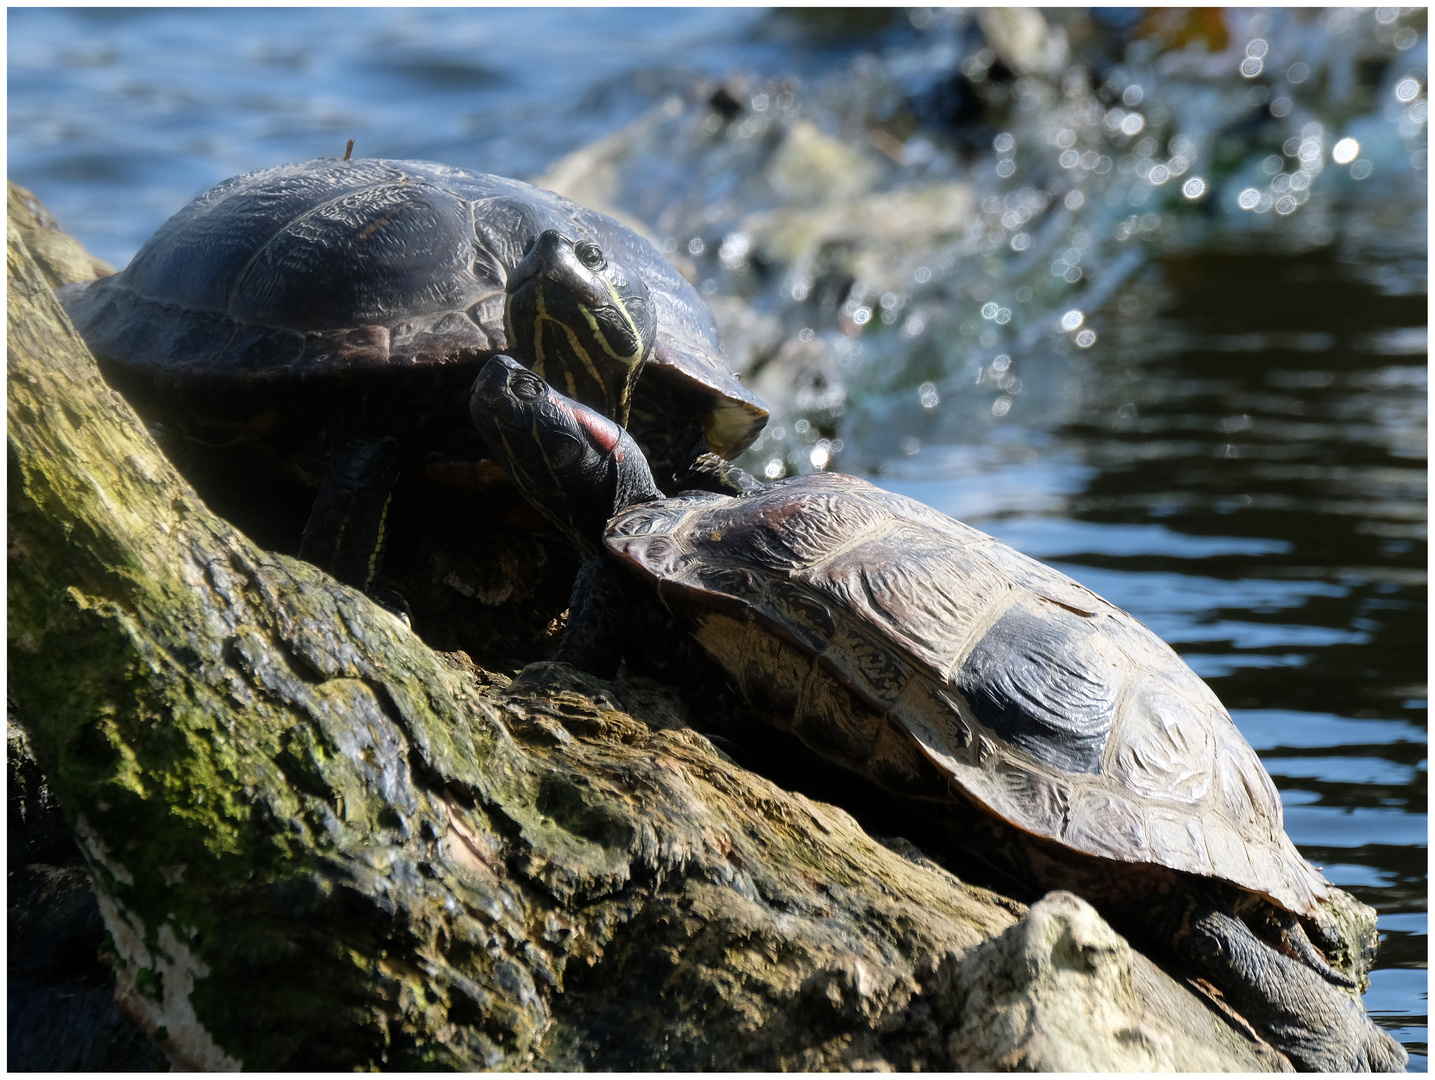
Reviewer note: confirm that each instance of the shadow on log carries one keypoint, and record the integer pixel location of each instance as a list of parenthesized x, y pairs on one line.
[(317, 844)]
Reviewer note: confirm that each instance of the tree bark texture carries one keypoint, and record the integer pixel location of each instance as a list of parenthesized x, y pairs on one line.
[(317, 844)]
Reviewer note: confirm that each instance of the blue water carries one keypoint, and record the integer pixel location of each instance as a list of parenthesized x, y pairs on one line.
[(1239, 461)]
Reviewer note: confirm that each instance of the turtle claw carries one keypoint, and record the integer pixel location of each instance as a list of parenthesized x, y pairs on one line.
[(1343, 1048), (709, 472), (393, 602)]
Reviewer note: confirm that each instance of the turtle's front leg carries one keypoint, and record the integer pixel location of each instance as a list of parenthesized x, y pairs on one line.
[(598, 620), (345, 531)]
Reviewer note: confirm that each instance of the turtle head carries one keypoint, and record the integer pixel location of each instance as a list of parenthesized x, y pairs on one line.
[(586, 323), (578, 467)]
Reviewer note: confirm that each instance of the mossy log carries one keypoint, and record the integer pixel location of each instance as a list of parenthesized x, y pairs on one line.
[(318, 844)]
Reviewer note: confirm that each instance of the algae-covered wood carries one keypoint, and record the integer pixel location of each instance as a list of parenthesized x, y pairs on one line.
[(315, 843)]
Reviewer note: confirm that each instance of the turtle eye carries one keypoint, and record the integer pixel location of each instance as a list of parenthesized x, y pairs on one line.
[(526, 386), (590, 255)]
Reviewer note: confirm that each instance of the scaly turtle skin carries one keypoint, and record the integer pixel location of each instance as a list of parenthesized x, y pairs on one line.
[(338, 311), (946, 666)]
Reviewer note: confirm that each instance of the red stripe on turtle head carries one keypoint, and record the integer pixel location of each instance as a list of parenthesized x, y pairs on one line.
[(603, 432)]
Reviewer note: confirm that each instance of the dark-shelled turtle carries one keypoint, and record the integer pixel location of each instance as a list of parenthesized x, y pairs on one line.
[(947, 667), (336, 311)]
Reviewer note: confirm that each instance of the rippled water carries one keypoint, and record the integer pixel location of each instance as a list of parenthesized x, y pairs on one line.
[(1238, 457)]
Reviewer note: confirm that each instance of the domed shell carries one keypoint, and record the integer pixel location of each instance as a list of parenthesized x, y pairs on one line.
[(862, 614), (329, 265)]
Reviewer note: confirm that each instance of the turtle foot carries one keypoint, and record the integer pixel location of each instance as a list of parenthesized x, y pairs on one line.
[(1350, 1044), (1317, 1026), (709, 472)]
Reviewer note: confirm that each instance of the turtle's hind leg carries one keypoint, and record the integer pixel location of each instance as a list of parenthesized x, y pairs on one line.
[(709, 472), (1319, 1027)]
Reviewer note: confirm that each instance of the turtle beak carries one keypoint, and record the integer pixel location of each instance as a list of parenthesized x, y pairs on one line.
[(541, 254), (490, 389)]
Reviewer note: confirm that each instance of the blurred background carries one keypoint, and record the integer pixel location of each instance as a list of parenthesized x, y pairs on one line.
[(1141, 292)]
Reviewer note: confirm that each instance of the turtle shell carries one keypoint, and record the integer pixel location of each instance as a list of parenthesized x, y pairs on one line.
[(363, 267), (893, 639)]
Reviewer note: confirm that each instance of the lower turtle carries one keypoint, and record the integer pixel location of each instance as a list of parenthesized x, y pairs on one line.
[(1064, 736)]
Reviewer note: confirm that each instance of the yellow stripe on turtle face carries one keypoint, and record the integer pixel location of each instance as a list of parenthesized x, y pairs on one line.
[(577, 346), (627, 359)]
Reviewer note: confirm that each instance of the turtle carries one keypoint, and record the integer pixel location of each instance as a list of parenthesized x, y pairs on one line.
[(337, 311), (1057, 733)]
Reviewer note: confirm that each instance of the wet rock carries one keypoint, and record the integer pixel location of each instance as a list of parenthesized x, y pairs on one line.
[(809, 167), (1022, 40)]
